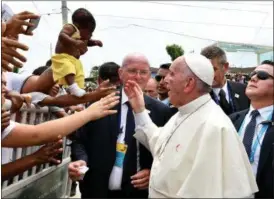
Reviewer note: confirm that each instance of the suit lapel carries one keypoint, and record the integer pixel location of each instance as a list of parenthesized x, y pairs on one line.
[(239, 119), (213, 96), (115, 121), (235, 97), (266, 148)]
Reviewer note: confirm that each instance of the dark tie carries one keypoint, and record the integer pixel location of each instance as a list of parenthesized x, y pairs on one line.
[(130, 162), (250, 131), (223, 103), (130, 125)]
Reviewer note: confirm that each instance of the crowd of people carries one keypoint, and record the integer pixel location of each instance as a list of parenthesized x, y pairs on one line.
[(190, 131)]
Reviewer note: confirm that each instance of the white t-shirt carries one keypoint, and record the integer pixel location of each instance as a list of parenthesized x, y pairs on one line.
[(7, 152), (16, 81)]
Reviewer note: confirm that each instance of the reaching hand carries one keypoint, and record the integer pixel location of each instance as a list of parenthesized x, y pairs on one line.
[(18, 100), (135, 96), (15, 25), (48, 152), (3, 28), (141, 179), (95, 43), (102, 107), (54, 90), (27, 99), (9, 52), (5, 119), (73, 169), (104, 89)]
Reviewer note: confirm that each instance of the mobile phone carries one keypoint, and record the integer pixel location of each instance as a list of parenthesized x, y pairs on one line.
[(35, 22)]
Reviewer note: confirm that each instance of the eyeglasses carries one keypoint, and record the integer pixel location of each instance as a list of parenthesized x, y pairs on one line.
[(133, 71), (262, 75), (158, 78)]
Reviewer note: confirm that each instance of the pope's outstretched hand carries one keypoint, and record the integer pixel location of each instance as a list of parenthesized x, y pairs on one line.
[(135, 96)]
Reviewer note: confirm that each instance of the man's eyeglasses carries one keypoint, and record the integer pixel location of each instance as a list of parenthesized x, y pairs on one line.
[(158, 78), (262, 75), (142, 73)]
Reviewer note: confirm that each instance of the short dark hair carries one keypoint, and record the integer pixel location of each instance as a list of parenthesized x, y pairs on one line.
[(165, 66), (109, 70), (268, 62), (213, 51), (49, 62), (38, 71), (84, 19)]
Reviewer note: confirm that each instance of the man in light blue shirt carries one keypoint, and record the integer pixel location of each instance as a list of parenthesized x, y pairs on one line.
[(256, 127)]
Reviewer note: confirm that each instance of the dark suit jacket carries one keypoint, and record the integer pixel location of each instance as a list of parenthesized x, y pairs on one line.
[(96, 144), (237, 94), (265, 172)]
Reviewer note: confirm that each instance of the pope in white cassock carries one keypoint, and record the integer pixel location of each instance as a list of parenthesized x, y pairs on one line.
[(198, 152)]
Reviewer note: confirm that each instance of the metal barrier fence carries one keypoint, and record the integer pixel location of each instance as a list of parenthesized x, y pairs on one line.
[(31, 184)]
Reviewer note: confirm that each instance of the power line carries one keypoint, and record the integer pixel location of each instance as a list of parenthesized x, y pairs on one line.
[(255, 4), (51, 13), (40, 12), (166, 31), (117, 27), (180, 21), (181, 34), (204, 7)]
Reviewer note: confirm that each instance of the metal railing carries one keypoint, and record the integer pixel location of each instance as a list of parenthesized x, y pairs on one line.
[(34, 115)]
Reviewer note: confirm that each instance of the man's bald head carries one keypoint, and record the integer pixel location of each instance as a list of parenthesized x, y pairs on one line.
[(135, 67), (133, 58), (151, 88)]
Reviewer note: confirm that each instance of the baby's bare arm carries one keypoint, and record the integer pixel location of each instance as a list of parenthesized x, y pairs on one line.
[(65, 35)]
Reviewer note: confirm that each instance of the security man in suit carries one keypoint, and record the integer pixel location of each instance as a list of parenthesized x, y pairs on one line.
[(228, 94), (256, 127), (119, 166)]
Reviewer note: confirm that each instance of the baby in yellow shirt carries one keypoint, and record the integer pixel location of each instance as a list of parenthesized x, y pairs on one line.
[(72, 43)]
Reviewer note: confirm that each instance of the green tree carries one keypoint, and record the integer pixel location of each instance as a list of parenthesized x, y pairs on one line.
[(91, 81), (174, 51)]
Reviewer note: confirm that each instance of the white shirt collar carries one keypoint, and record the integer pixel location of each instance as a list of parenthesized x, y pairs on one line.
[(165, 101), (217, 90), (193, 105), (264, 112), (124, 96)]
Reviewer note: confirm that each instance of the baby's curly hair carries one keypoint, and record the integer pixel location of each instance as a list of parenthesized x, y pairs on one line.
[(84, 19)]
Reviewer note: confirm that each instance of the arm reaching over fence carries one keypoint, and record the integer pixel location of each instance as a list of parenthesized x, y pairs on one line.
[(43, 155), (23, 135)]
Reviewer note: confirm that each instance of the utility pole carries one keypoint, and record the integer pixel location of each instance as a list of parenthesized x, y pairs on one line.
[(64, 12), (50, 49)]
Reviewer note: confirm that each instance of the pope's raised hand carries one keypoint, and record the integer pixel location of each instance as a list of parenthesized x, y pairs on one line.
[(135, 96)]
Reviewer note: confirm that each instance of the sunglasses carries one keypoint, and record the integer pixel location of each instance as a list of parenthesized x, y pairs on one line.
[(262, 75), (158, 78)]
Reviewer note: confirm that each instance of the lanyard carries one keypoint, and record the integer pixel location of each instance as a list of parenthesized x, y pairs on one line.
[(256, 141)]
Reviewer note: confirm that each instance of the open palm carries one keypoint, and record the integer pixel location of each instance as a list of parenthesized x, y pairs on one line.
[(135, 96)]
